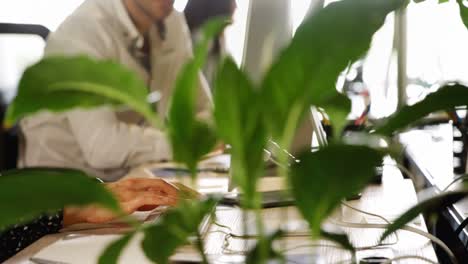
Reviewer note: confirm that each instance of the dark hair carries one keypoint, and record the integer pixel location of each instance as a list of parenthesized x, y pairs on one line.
[(197, 12)]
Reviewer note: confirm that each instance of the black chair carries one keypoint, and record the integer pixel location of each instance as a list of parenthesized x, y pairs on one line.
[(9, 138), (26, 29)]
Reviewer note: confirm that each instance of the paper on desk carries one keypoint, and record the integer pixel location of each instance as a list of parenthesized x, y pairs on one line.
[(87, 249), (84, 243), (388, 201)]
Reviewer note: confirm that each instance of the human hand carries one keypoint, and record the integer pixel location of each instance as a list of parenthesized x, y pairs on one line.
[(217, 150), (132, 194)]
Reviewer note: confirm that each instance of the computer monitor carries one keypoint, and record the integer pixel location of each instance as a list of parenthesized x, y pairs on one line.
[(269, 30), (311, 135)]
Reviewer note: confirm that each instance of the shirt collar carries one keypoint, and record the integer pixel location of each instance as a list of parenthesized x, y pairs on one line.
[(129, 29)]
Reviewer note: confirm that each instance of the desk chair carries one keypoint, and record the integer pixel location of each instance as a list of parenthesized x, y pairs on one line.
[(26, 29), (9, 138)]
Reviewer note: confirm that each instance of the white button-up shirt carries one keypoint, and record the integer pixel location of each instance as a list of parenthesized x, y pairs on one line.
[(102, 142)]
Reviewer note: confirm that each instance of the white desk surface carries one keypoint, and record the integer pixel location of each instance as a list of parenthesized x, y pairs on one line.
[(389, 199), (430, 151)]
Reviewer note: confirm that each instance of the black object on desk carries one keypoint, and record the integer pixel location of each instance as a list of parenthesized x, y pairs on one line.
[(173, 172), (374, 260), (378, 173), (270, 199)]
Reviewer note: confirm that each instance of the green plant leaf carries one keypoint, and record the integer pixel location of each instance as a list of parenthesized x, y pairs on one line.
[(210, 29), (306, 71), (28, 193), (182, 109), (318, 173), (190, 145), (463, 5), (440, 1), (181, 125), (255, 256), (112, 253), (239, 121), (341, 239), (190, 138), (59, 84), (184, 96), (337, 108), (173, 230), (428, 206), (445, 98)]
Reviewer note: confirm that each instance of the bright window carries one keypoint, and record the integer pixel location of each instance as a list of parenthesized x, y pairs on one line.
[(49, 13), (18, 52), (179, 5), (299, 9), (235, 34), (437, 47)]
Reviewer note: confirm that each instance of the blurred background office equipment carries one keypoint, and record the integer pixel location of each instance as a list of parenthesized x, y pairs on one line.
[(266, 37), (20, 46), (434, 53)]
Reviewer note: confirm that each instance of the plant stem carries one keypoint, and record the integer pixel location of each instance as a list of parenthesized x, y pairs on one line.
[(244, 224), (201, 248), (194, 179), (263, 250), (291, 126), (247, 206), (283, 172), (200, 245), (285, 144), (238, 172)]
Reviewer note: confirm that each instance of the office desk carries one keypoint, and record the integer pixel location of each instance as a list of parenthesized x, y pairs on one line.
[(430, 154), (389, 199)]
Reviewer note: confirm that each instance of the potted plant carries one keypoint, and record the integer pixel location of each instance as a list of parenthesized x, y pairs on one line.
[(246, 117)]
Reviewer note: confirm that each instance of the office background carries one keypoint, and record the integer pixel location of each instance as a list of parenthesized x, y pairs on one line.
[(436, 45)]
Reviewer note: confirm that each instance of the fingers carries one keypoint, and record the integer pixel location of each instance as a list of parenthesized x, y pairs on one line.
[(96, 214), (147, 199), (146, 208), (139, 184), (148, 192)]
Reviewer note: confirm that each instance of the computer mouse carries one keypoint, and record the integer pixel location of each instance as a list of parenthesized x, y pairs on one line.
[(374, 260)]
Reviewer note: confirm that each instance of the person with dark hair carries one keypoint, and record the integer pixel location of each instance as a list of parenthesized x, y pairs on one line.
[(198, 12)]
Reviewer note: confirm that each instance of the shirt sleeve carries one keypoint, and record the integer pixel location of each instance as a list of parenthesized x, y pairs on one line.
[(107, 143), (20, 236)]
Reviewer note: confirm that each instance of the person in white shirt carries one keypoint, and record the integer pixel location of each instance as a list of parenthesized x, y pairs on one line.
[(148, 37)]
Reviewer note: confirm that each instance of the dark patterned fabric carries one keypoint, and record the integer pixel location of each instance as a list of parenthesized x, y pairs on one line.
[(20, 236)]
